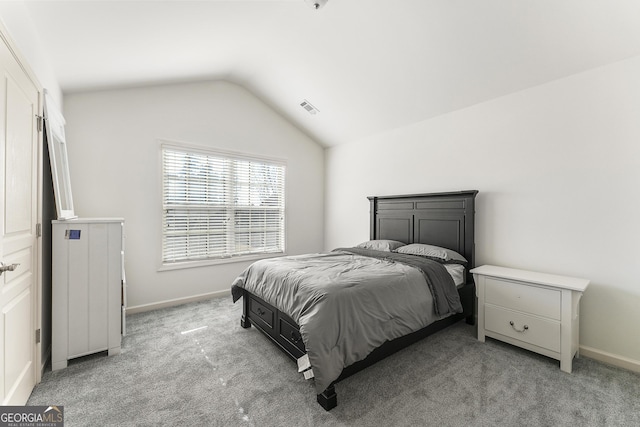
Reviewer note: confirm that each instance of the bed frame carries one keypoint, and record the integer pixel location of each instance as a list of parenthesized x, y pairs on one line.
[(442, 219)]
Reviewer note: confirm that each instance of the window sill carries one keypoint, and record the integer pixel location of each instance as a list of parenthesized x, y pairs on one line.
[(211, 262)]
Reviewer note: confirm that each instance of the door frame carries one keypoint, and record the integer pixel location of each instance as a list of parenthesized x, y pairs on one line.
[(37, 298)]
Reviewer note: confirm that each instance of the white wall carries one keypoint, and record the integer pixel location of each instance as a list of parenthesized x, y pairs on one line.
[(115, 171), (15, 17), (558, 169)]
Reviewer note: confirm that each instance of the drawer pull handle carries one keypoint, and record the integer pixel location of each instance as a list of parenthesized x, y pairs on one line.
[(261, 312), (525, 328), (294, 338)]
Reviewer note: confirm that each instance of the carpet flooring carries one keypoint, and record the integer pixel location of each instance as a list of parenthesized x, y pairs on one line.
[(193, 365)]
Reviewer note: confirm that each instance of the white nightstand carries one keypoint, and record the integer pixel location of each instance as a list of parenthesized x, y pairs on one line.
[(535, 311)]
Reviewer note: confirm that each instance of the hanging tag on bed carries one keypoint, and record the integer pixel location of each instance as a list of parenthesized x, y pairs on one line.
[(303, 363), (308, 374)]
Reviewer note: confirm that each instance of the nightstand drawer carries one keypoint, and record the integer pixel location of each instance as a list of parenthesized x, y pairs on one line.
[(529, 299), (533, 330)]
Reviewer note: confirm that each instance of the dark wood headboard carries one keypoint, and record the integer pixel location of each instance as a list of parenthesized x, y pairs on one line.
[(441, 219)]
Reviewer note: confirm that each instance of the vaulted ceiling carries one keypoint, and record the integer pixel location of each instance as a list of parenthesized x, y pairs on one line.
[(369, 66)]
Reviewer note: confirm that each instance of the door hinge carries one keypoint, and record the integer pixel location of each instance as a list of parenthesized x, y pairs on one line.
[(37, 336), (40, 122), (38, 230)]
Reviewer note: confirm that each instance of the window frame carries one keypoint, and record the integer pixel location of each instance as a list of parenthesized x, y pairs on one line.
[(214, 151)]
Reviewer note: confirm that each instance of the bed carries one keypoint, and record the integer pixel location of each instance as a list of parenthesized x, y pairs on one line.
[(444, 220)]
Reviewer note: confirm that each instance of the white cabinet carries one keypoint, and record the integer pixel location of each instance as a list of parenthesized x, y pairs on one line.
[(535, 311), (88, 288)]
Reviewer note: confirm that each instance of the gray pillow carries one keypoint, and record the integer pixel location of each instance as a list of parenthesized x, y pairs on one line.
[(433, 252), (381, 245)]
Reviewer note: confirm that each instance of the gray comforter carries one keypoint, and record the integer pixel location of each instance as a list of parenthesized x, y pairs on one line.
[(350, 301)]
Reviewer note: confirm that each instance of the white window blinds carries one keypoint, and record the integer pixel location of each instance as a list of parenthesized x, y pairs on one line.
[(217, 205)]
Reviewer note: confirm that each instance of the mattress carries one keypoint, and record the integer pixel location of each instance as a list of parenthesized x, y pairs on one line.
[(457, 273)]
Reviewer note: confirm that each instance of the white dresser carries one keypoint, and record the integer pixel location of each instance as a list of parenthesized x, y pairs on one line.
[(88, 288), (535, 311)]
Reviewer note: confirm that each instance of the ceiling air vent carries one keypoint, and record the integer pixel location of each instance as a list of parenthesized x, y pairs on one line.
[(310, 108)]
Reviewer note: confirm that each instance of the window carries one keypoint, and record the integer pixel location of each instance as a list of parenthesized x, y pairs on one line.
[(219, 205)]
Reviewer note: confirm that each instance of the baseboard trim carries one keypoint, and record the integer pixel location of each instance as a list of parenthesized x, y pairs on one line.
[(610, 359), (178, 301)]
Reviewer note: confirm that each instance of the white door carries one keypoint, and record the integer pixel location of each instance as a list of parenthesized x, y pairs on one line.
[(19, 105)]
